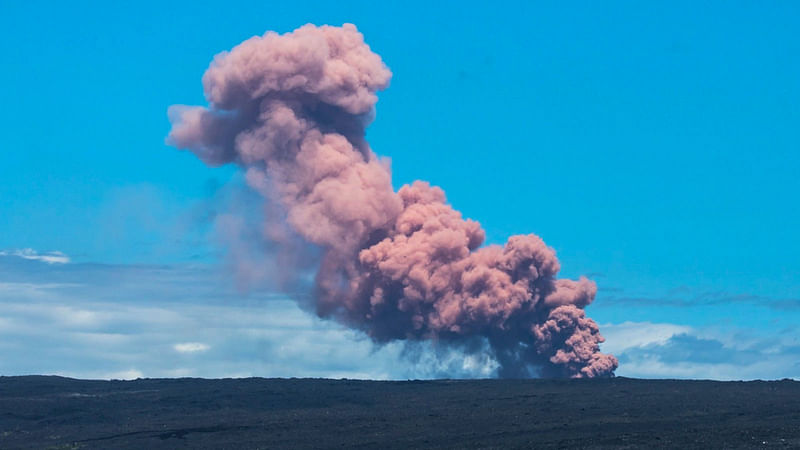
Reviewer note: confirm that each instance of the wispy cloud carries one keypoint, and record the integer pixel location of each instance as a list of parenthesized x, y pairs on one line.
[(190, 347), (54, 257)]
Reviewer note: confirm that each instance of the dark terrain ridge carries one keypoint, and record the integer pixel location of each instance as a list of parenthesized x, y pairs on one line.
[(62, 413)]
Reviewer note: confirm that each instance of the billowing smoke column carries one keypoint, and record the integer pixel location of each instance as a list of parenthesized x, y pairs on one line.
[(292, 110)]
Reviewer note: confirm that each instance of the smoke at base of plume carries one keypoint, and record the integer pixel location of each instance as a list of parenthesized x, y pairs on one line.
[(291, 110)]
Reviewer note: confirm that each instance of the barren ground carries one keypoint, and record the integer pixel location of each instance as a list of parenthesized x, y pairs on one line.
[(54, 412)]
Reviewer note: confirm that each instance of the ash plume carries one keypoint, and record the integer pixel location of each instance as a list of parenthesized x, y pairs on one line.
[(291, 111)]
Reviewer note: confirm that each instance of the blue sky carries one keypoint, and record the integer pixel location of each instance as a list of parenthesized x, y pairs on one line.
[(655, 147)]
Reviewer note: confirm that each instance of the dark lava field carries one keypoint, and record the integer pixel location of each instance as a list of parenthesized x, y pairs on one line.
[(61, 413)]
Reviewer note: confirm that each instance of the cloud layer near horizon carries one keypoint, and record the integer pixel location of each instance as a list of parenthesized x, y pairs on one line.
[(127, 321)]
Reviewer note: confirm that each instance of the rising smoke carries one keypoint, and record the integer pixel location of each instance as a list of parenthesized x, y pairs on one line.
[(291, 110)]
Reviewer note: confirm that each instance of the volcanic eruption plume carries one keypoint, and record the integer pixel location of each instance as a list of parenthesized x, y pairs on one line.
[(291, 110)]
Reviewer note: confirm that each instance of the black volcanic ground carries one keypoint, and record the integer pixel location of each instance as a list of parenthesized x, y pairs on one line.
[(54, 412)]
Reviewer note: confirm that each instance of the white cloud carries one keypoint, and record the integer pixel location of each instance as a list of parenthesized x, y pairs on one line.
[(190, 347), (55, 257), (626, 335)]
